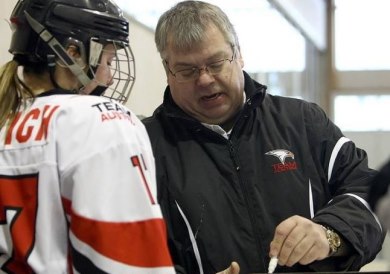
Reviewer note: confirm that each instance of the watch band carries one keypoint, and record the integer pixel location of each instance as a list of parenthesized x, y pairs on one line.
[(333, 238)]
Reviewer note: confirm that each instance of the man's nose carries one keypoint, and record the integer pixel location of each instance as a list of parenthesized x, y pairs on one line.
[(205, 77)]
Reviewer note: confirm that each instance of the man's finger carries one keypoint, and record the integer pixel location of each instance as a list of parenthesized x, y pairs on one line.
[(234, 268), (282, 231)]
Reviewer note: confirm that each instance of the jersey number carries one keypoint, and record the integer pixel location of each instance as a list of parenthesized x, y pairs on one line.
[(18, 212)]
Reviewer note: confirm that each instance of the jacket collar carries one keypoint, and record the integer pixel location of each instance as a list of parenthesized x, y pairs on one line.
[(255, 92)]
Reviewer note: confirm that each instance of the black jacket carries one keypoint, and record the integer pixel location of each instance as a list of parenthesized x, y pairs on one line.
[(222, 199), (380, 187)]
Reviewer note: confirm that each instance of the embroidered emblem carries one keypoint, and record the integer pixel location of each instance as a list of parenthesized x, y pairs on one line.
[(281, 154)]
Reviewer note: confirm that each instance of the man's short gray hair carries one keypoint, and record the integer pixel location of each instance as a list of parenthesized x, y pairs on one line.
[(185, 23)]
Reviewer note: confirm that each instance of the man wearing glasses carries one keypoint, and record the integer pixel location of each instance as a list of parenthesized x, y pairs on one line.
[(244, 176)]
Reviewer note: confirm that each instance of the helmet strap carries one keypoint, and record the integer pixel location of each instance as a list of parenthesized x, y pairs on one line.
[(51, 64), (99, 90)]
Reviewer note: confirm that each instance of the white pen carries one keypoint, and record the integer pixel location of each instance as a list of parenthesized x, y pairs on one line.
[(272, 264)]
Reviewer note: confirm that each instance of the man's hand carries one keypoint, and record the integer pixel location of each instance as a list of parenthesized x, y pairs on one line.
[(234, 268), (299, 240)]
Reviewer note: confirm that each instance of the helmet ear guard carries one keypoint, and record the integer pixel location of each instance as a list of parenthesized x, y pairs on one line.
[(79, 48), (42, 28)]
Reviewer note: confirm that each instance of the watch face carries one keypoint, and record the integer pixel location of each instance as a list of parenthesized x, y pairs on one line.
[(336, 239), (333, 239)]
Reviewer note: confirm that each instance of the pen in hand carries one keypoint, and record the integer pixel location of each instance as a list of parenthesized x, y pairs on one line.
[(272, 264)]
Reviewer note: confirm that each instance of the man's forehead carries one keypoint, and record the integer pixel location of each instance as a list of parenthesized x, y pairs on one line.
[(182, 42)]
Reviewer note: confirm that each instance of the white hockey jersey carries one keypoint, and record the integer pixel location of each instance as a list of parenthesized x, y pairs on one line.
[(78, 191)]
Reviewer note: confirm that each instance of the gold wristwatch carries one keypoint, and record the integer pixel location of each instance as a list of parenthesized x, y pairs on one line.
[(333, 238)]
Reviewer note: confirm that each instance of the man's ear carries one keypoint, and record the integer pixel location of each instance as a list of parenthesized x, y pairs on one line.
[(240, 59)]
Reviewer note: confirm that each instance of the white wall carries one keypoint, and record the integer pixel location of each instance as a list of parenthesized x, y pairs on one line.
[(150, 76), (309, 16), (5, 12)]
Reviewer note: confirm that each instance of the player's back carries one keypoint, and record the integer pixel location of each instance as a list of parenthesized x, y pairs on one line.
[(57, 187)]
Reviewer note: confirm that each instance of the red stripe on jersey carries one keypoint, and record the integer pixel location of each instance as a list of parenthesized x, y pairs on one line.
[(141, 244), (67, 204)]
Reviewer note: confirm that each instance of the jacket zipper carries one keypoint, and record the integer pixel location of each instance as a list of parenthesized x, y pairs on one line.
[(249, 205)]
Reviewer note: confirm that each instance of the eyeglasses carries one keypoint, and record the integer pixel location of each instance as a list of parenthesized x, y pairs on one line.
[(190, 74)]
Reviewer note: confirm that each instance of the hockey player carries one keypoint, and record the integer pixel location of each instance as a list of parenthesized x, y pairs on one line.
[(77, 175)]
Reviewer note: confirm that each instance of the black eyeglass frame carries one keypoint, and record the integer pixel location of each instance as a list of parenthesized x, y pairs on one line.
[(196, 70)]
